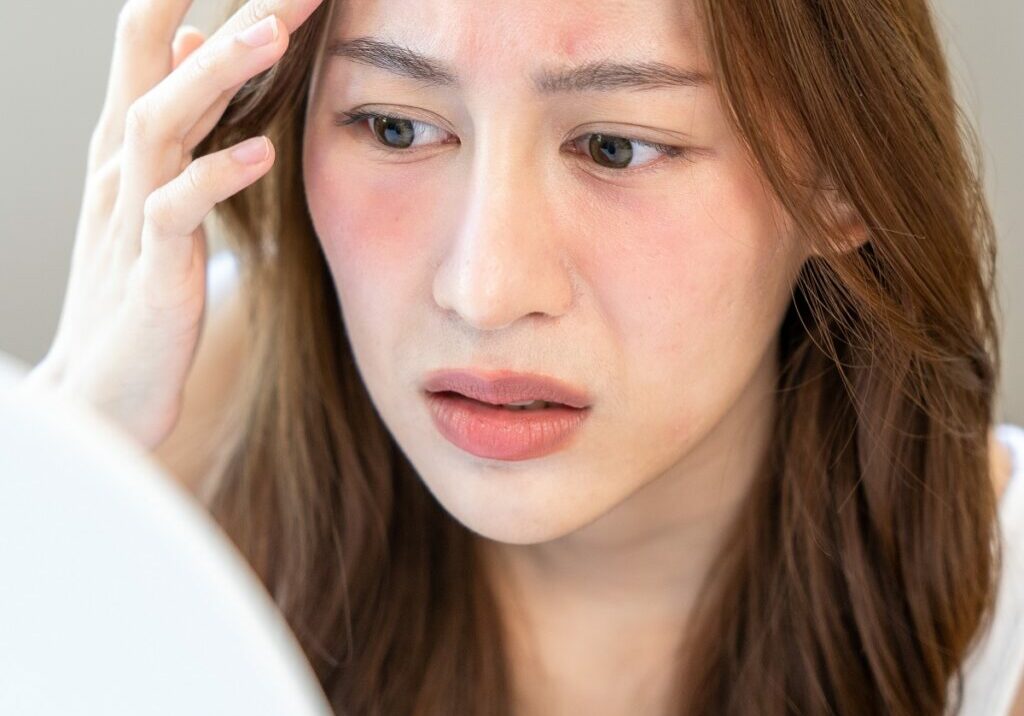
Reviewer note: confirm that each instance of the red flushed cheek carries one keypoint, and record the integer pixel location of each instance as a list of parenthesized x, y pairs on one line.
[(369, 222)]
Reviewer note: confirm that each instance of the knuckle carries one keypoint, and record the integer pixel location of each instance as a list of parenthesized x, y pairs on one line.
[(103, 133), (97, 142), (207, 61), (106, 181), (156, 213), (131, 21), (138, 120), (258, 9), (195, 176)]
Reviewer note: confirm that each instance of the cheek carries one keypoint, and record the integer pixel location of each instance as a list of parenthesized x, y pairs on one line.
[(369, 227), (694, 281), (704, 260), (374, 236)]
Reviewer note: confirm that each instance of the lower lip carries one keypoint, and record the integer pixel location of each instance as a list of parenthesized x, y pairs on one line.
[(502, 434)]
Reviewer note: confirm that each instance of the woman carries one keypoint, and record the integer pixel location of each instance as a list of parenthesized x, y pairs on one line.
[(739, 249)]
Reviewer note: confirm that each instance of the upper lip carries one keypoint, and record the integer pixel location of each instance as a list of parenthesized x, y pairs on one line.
[(500, 387)]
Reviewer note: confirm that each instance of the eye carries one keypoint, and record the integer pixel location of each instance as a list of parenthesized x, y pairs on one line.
[(616, 153), (610, 152), (394, 132)]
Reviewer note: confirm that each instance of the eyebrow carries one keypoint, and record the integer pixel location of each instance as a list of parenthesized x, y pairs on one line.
[(599, 76)]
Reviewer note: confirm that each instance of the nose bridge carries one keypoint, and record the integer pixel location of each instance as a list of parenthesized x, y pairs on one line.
[(505, 258)]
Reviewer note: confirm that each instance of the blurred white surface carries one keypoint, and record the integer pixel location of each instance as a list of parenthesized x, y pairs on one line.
[(120, 595)]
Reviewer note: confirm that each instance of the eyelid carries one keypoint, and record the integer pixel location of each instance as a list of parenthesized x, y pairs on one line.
[(362, 116), (668, 152)]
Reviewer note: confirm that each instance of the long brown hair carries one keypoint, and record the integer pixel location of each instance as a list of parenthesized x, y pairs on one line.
[(864, 564)]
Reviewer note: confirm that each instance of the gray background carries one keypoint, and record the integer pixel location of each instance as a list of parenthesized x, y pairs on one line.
[(53, 69)]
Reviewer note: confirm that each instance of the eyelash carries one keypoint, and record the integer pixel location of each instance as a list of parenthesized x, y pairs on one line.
[(667, 150)]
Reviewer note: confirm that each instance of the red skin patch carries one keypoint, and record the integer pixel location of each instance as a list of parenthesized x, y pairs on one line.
[(573, 41), (567, 43)]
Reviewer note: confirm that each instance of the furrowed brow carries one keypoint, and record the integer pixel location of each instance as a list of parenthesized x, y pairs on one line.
[(605, 76), (393, 58), (598, 76)]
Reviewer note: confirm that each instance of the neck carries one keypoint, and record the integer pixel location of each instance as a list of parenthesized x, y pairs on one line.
[(600, 613)]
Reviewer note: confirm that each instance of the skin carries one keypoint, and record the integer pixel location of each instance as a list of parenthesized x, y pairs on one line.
[(499, 247)]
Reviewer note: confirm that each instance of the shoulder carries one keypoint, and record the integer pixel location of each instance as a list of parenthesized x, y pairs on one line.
[(190, 449), (1011, 435), (998, 660), (1017, 708), (1000, 460)]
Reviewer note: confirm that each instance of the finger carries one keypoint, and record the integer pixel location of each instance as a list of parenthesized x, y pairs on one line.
[(291, 12), (176, 211), (209, 120), (143, 174), (142, 57), (187, 40), (179, 102), (145, 29), (159, 122), (221, 49)]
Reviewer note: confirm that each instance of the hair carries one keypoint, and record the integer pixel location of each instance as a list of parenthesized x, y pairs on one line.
[(863, 566)]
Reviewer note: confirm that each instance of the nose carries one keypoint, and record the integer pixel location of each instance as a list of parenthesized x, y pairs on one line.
[(505, 260)]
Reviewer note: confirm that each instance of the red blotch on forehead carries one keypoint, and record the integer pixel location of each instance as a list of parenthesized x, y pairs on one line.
[(574, 39), (567, 42)]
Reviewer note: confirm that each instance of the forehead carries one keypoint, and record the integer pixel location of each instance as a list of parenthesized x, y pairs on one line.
[(475, 33)]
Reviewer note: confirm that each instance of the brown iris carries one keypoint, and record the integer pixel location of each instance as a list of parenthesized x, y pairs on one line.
[(617, 150)]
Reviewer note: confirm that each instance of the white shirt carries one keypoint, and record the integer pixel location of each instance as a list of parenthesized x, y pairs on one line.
[(993, 671)]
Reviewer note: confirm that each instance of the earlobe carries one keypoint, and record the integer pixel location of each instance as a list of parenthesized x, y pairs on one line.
[(852, 232)]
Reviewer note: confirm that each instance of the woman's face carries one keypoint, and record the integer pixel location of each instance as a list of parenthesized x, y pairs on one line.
[(495, 231)]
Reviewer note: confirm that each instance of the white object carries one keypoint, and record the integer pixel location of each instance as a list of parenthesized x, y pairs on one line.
[(222, 274), (119, 594), (993, 671)]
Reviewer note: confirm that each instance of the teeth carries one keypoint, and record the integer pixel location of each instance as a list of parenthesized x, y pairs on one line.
[(526, 405)]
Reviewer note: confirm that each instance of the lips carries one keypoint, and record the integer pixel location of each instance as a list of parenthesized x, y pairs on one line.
[(503, 387), (498, 433)]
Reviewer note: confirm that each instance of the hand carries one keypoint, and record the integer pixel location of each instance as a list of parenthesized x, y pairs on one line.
[(134, 304)]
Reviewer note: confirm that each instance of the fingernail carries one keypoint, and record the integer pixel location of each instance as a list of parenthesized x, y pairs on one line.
[(262, 33), (251, 151)]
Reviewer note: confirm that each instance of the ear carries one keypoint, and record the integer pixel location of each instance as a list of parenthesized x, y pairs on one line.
[(851, 228)]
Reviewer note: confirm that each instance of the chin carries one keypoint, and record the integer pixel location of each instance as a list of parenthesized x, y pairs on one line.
[(498, 528), (512, 509), (535, 532)]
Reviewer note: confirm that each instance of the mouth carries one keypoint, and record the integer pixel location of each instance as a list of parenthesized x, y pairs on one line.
[(524, 405), (507, 388), (506, 432), (503, 415)]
